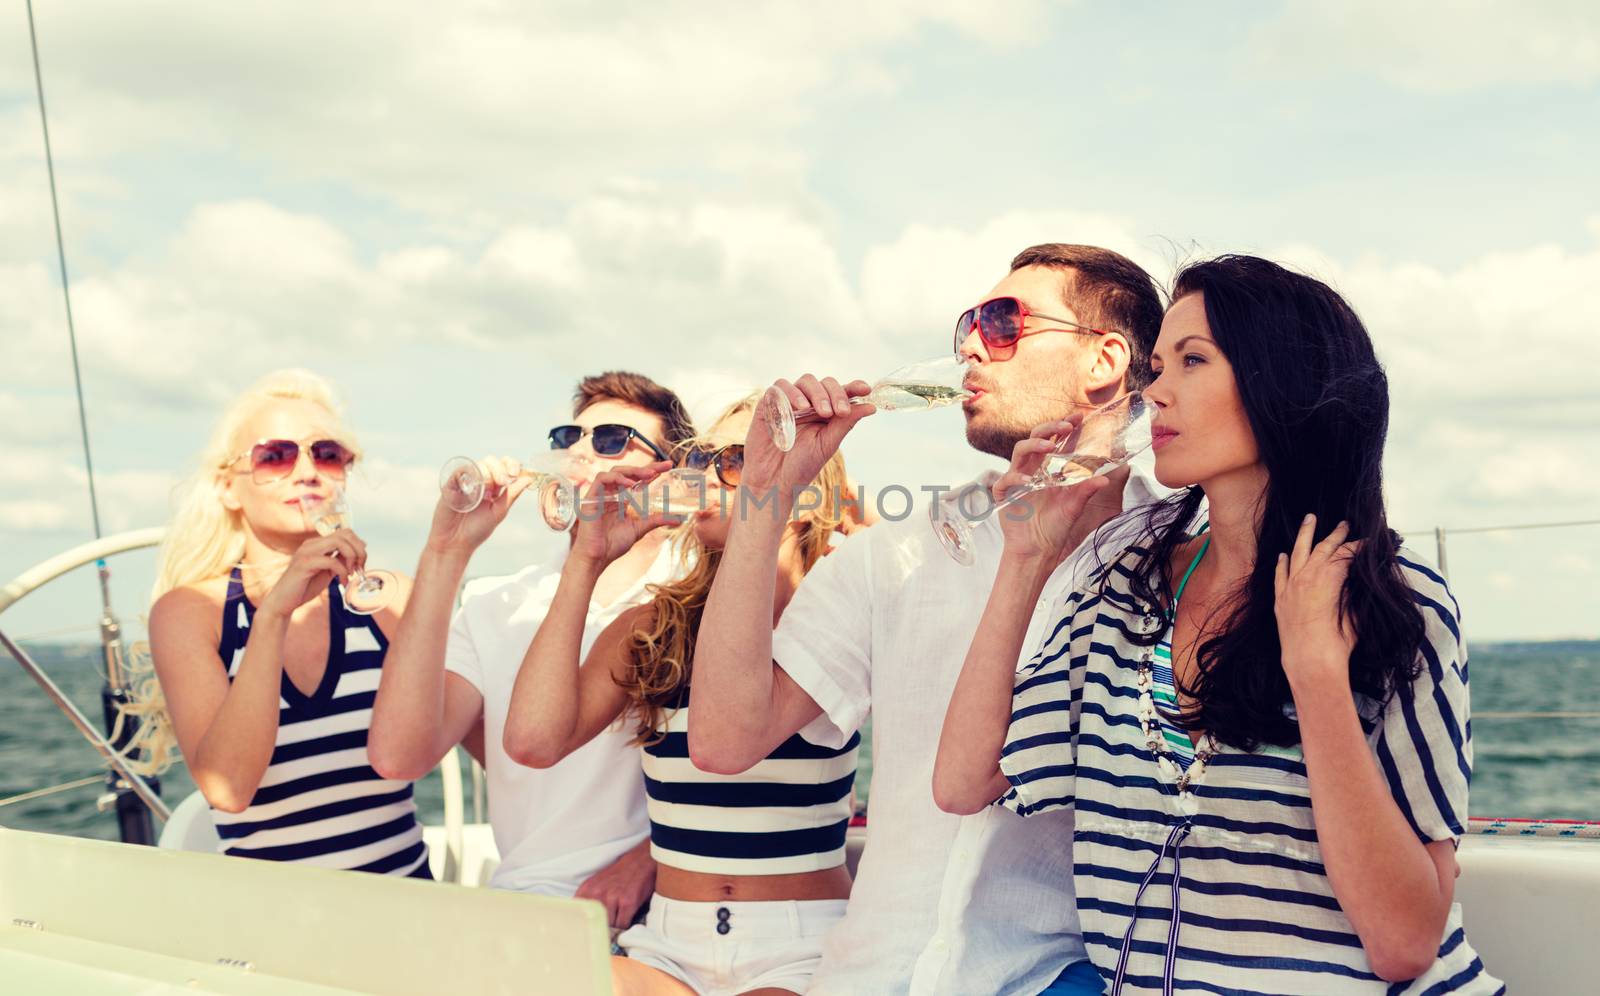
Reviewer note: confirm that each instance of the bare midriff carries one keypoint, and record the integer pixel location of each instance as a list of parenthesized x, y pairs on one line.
[(704, 887)]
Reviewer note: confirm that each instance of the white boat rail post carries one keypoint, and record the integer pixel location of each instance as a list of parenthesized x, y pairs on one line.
[(479, 789), (121, 775), (454, 831)]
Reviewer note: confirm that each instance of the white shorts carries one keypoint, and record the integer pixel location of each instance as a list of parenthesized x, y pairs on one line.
[(726, 948)]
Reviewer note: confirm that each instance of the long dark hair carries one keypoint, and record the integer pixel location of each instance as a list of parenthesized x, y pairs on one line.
[(1318, 404)]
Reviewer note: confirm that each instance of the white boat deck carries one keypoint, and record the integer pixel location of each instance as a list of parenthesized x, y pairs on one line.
[(88, 916), (152, 921)]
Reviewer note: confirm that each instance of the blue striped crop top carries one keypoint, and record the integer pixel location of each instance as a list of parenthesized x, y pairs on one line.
[(787, 814)]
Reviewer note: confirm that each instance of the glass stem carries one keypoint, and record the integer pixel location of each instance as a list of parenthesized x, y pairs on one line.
[(1018, 493), (806, 416), (358, 575)]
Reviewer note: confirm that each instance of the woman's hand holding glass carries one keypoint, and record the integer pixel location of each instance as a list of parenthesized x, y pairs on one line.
[(1091, 443), (1037, 522), (365, 592), (317, 561)]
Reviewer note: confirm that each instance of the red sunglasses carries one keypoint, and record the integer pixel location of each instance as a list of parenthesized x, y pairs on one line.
[(274, 459), (999, 323)]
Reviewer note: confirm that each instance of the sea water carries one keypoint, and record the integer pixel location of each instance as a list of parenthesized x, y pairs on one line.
[(1525, 766)]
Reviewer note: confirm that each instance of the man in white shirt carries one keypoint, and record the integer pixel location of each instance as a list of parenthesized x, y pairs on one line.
[(941, 904), (579, 827)]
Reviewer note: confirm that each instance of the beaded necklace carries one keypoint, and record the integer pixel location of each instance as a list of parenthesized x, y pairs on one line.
[(1150, 718)]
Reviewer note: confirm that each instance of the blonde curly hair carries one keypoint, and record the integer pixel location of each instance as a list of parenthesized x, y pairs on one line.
[(660, 652)]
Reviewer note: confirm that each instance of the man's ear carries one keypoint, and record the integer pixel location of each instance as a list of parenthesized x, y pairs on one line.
[(1111, 358)]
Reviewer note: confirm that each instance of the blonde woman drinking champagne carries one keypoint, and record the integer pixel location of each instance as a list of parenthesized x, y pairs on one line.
[(268, 674), (751, 868)]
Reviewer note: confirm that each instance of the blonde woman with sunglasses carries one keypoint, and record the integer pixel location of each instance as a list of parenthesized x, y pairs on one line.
[(268, 675)]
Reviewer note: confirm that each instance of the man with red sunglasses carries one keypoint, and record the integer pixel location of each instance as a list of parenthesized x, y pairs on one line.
[(941, 903), (579, 827)]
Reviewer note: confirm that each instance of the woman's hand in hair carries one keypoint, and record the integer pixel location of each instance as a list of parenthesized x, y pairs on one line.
[(464, 532), (318, 560), (1042, 523), (610, 520), (1313, 630)]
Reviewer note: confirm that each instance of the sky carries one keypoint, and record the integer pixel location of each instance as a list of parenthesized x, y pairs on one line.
[(456, 212)]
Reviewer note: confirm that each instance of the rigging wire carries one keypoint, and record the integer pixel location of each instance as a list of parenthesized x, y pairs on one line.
[(61, 259)]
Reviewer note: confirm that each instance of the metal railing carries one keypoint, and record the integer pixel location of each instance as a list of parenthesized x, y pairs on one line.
[(124, 779), (1440, 532)]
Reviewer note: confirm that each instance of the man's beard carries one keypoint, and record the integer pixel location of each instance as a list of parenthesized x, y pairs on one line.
[(1008, 425), (999, 434), (996, 440)]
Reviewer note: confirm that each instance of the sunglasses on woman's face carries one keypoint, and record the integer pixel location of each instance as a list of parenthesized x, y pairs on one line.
[(728, 461), (274, 459), (999, 323), (608, 440)]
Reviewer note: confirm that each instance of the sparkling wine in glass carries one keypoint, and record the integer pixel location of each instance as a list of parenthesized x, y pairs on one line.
[(465, 487), (1105, 439), (367, 591), (918, 387)]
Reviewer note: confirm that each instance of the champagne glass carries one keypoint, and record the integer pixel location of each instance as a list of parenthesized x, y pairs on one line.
[(368, 591), (918, 387), (1106, 438), (681, 488), (465, 487)]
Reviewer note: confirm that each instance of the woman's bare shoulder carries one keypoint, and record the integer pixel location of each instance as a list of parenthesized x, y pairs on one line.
[(186, 605)]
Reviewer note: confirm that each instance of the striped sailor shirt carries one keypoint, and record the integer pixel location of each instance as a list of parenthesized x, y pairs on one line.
[(320, 802), (1233, 898), (787, 814)]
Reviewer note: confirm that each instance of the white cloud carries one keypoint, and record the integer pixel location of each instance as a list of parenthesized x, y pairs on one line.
[(30, 515), (383, 193), (1490, 371), (245, 283), (916, 285), (523, 99), (1489, 361), (47, 491), (393, 495), (1460, 47)]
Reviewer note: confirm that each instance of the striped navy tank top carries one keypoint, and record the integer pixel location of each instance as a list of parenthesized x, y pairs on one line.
[(787, 814), (320, 802)]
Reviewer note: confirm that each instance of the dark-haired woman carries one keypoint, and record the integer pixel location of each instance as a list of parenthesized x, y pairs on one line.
[(750, 867), (1261, 718)]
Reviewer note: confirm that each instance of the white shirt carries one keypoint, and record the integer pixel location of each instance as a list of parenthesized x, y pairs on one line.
[(945, 904), (557, 826)]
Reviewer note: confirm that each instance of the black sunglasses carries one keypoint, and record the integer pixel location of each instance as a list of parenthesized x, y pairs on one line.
[(609, 439), (728, 462)]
